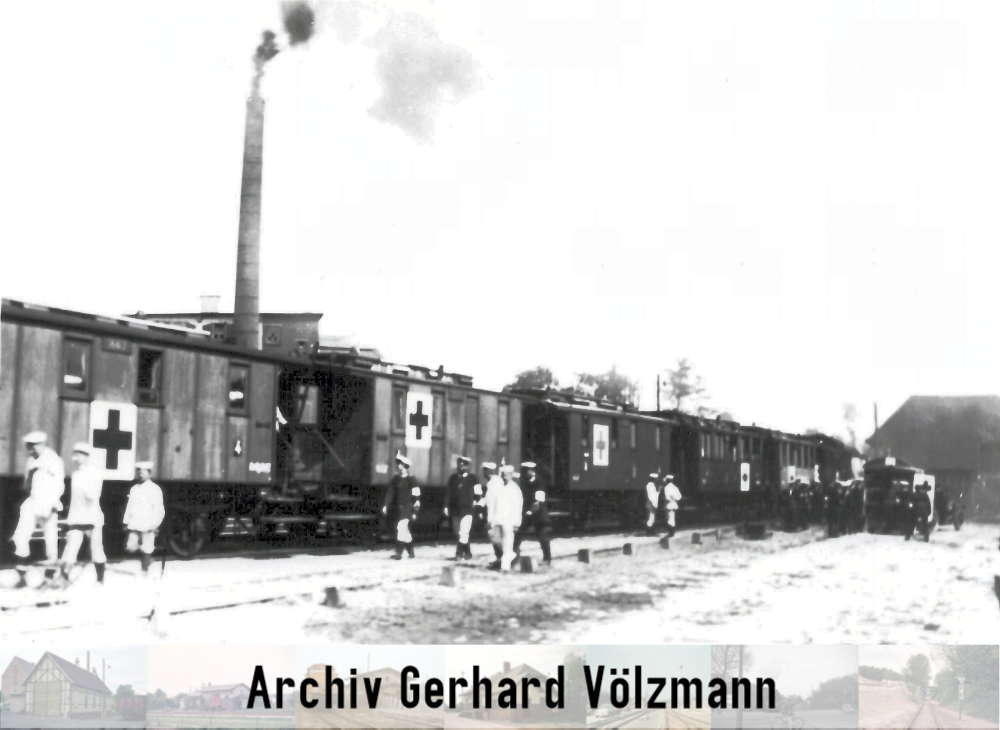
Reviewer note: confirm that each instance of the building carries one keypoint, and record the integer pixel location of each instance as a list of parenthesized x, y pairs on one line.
[(12, 684), (951, 437), (281, 332), (218, 698), (58, 688), (535, 710)]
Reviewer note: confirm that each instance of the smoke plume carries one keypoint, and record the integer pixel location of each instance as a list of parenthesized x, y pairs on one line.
[(418, 73), (299, 20)]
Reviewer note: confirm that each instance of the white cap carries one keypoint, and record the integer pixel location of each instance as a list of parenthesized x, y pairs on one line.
[(147, 465), (527, 465), (654, 475), (668, 477), (403, 460), (491, 465), (36, 437), (82, 447), (507, 469)]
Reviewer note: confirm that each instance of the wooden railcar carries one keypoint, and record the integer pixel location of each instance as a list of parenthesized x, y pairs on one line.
[(597, 456), (243, 441)]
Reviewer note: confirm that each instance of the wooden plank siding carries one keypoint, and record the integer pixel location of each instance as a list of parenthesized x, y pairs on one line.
[(180, 375), (210, 418), (39, 385), (9, 368)]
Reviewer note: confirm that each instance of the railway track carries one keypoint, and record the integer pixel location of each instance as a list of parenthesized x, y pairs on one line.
[(925, 717), (658, 719), (362, 720)]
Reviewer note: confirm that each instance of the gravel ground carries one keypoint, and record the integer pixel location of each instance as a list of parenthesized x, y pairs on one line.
[(791, 588)]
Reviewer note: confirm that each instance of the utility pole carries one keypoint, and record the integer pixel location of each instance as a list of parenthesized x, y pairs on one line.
[(657, 391), (739, 707), (961, 695)]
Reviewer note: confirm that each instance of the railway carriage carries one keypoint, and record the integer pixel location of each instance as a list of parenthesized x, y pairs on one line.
[(596, 455), (244, 442)]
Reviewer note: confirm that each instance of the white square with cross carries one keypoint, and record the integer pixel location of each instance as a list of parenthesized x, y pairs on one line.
[(419, 419), (113, 438), (602, 444)]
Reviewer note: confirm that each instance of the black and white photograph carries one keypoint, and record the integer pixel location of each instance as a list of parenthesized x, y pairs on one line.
[(435, 322)]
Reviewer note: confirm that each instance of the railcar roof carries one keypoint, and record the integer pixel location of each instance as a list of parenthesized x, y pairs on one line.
[(573, 402)]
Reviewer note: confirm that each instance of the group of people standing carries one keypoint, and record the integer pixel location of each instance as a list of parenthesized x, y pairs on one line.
[(45, 485), (662, 494), (509, 509)]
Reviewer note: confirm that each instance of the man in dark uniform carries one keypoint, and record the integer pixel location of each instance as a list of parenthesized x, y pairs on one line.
[(923, 509), (536, 511), (464, 492), (907, 512), (402, 503), (854, 506), (834, 510)]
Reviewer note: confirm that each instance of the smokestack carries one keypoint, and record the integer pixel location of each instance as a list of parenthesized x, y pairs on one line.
[(246, 307), (88, 661)]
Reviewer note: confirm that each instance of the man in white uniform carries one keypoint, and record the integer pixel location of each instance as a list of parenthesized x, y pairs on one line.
[(45, 482), (673, 495), (143, 514), (503, 511), (490, 481), (85, 518), (654, 488)]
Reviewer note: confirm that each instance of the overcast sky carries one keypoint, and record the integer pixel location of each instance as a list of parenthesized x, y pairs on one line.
[(119, 664), (799, 670), (183, 669), (896, 657), (799, 197)]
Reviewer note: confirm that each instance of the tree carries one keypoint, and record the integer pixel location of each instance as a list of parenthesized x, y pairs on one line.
[(878, 673), (537, 378), (918, 672), (726, 661), (835, 693), (158, 700), (612, 386), (125, 690), (576, 690), (684, 389), (977, 666)]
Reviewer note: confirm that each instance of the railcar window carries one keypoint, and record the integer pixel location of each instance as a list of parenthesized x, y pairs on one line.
[(76, 367), (472, 418), (399, 409), (614, 433), (239, 383), (438, 415), (659, 438), (150, 378), (632, 437), (585, 433), (503, 422)]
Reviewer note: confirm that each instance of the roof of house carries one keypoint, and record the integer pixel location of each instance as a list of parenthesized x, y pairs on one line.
[(220, 688), (75, 673), (25, 665), (941, 432), (515, 673)]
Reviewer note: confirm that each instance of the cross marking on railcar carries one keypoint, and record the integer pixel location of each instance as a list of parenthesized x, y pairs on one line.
[(113, 439), (419, 419), (601, 445)]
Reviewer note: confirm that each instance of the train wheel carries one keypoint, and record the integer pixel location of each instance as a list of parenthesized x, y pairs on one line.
[(188, 535)]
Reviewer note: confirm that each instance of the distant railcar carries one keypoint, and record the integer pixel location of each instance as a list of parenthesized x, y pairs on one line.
[(596, 455)]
